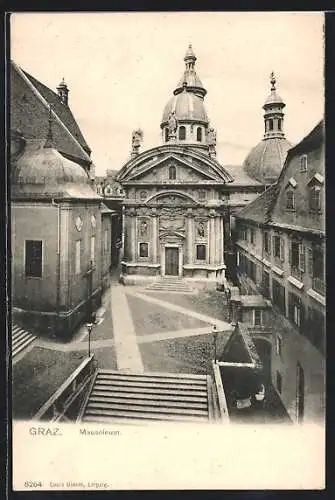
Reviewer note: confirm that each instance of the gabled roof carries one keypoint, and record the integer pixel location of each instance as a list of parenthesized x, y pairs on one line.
[(258, 210), (30, 109), (240, 348)]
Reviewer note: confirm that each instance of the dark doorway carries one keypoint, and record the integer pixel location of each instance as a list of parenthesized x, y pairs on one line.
[(264, 351), (300, 393), (171, 261)]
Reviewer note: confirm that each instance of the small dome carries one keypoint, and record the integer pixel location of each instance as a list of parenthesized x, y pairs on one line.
[(273, 98), (265, 161), (44, 170), (187, 106)]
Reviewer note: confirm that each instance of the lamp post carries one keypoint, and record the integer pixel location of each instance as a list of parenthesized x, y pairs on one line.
[(215, 335), (89, 329)]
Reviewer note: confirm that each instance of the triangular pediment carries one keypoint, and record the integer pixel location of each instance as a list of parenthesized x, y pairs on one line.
[(191, 167)]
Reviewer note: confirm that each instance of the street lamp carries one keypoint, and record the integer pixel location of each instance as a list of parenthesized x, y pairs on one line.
[(215, 336), (89, 329)]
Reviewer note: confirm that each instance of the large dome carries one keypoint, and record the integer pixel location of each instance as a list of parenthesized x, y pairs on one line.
[(187, 106), (265, 161)]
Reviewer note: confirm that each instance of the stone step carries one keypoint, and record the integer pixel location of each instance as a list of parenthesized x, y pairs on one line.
[(21, 339), (98, 413), (166, 398), (150, 396)]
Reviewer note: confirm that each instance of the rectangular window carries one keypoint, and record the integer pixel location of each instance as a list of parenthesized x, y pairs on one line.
[(290, 201), (257, 317), (78, 257), (201, 252), (252, 273), (279, 382), (92, 249), (302, 263), (252, 235), (278, 345), (279, 296), (310, 261), (267, 243), (276, 246), (316, 330), (266, 284), (303, 163), (33, 259), (106, 240), (144, 249), (315, 198)]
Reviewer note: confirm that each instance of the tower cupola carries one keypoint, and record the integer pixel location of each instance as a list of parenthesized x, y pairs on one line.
[(273, 113), (185, 120), (63, 92)]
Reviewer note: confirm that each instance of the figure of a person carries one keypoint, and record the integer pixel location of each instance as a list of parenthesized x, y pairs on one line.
[(172, 123), (201, 230), (144, 228)]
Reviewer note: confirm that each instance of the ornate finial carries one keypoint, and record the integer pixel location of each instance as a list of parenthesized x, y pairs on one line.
[(273, 81), (49, 139)]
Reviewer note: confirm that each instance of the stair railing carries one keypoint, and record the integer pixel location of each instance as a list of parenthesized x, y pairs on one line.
[(59, 403), (219, 394)]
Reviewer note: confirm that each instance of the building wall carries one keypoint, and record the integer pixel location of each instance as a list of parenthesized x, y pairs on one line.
[(303, 341), (34, 293), (106, 243)]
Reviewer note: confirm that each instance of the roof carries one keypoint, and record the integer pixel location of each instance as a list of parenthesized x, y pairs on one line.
[(257, 210), (38, 172), (240, 348), (30, 110), (240, 176), (265, 161), (253, 301), (187, 106), (63, 111)]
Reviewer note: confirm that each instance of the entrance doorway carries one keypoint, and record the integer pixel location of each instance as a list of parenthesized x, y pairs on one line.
[(300, 393), (171, 261)]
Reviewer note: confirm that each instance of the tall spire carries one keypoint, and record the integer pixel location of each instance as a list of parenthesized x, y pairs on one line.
[(49, 139), (190, 81), (273, 112)]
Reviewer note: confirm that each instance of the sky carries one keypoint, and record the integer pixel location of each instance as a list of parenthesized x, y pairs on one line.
[(122, 68)]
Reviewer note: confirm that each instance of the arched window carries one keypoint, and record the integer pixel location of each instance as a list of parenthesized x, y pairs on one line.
[(199, 134), (172, 173), (270, 124), (166, 134), (182, 133)]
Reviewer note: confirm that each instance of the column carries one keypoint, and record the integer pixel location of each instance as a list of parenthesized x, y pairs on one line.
[(212, 238), (133, 237), (154, 238), (190, 237)]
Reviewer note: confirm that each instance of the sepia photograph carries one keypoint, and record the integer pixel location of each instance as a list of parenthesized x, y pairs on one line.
[(168, 283)]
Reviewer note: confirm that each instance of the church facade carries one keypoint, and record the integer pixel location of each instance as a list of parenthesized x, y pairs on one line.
[(176, 206)]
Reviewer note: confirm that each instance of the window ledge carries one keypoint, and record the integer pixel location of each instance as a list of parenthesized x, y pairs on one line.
[(277, 270), (316, 296), (298, 284), (266, 263)]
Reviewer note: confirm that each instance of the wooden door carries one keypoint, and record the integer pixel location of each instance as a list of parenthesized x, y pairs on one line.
[(171, 261)]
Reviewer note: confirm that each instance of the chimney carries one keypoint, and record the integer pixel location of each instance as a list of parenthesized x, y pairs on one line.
[(63, 92)]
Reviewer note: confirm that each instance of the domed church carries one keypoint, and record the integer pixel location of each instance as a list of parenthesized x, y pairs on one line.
[(178, 197)]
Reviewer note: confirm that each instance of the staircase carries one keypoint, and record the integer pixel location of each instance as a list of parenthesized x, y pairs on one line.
[(21, 339), (139, 398), (170, 284)]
